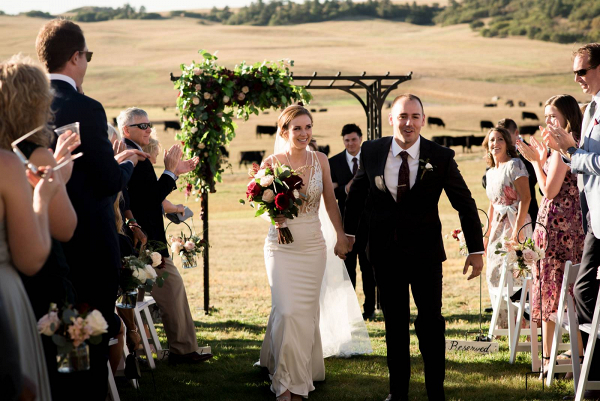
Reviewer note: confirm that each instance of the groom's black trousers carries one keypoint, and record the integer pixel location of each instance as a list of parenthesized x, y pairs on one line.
[(425, 281)]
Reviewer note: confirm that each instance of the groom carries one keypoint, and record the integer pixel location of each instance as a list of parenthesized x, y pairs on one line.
[(403, 176)]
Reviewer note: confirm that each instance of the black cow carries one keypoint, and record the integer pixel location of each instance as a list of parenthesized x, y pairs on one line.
[(266, 129), (172, 124), (486, 124), (490, 105), (324, 149), (115, 123), (443, 140), (435, 121), (224, 151), (510, 103), (531, 116), (528, 129), (322, 110), (251, 156), (522, 103), (313, 110)]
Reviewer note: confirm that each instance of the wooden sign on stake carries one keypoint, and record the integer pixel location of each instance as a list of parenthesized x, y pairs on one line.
[(481, 347)]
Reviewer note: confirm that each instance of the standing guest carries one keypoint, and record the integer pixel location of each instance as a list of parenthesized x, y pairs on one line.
[(405, 232), (344, 166), (508, 192), (146, 195), (25, 100), (96, 179), (584, 158), (560, 214)]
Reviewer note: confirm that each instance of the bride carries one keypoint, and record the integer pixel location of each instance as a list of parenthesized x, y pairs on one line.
[(314, 310)]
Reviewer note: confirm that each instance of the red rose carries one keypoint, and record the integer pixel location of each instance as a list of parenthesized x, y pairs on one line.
[(253, 190), (282, 201), (294, 182)]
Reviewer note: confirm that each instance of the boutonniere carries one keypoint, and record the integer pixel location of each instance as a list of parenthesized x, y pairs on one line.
[(596, 122), (380, 183), (425, 166)]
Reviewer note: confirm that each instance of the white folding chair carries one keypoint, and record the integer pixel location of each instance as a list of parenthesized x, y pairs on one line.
[(144, 306), (565, 322), (506, 288), (592, 330), (113, 393)]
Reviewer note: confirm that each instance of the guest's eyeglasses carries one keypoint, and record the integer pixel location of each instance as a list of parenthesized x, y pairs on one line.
[(143, 126), (583, 71), (88, 55), (34, 169)]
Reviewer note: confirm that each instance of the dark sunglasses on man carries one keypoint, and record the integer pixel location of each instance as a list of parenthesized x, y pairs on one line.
[(583, 71), (88, 55), (143, 126)]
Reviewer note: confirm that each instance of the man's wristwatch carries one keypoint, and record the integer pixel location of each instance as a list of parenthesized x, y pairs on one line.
[(571, 150)]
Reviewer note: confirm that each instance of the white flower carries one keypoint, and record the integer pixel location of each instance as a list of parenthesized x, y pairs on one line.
[(428, 166), (194, 130), (296, 194), (189, 245), (195, 100), (241, 96), (140, 274), (156, 259), (197, 71), (48, 323), (198, 87), (260, 173), (266, 180), (461, 236), (226, 99), (201, 145), (268, 196), (207, 95), (245, 89), (96, 323), (270, 81), (150, 272), (379, 183), (529, 256)]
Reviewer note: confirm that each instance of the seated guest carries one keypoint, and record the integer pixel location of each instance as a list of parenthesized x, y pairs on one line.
[(21, 114), (146, 195)]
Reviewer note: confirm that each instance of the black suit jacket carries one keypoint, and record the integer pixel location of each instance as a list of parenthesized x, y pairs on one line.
[(146, 195), (341, 174), (412, 227), (93, 253)]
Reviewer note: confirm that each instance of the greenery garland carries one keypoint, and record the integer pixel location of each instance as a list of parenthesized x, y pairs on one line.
[(210, 96)]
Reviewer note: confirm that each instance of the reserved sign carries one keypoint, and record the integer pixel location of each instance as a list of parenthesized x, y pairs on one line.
[(481, 347)]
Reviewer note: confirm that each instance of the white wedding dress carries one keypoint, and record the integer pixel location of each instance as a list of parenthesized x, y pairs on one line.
[(306, 308)]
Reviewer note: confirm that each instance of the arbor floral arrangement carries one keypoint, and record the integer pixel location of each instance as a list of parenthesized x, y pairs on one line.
[(187, 248), (274, 189), (141, 270), (211, 96), (520, 257), (69, 328)]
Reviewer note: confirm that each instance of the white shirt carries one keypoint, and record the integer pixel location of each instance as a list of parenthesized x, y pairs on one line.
[(61, 77), (349, 158), (394, 161), (590, 122)]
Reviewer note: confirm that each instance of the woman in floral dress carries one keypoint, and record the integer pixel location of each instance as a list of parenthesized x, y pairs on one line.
[(509, 195), (560, 213)]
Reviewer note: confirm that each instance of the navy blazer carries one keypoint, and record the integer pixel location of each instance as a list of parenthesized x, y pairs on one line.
[(93, 253)]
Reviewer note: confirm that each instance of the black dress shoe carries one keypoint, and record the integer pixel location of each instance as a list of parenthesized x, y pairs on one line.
[(192, 357), (368, 316)]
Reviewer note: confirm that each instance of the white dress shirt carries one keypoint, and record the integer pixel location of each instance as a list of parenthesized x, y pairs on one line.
[(61, 77), (588, 125), (349, 158), (394, 161)]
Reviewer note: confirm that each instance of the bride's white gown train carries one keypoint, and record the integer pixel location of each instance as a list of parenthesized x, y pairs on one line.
[(292, 350)]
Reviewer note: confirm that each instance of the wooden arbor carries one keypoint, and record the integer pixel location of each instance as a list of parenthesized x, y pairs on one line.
[(376, 92)]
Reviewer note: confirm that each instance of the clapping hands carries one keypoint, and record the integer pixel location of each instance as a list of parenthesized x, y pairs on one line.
[(558, 139), (65, 145), (536, 153), (174, 163)]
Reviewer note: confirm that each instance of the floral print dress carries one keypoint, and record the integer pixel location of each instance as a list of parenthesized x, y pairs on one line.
[(503, 195), (564, 241)]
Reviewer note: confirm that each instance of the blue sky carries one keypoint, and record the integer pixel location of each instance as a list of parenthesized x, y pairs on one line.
[(60, 6)]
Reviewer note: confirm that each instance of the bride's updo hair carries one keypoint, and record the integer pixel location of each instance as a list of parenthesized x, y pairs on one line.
[(286, 117)]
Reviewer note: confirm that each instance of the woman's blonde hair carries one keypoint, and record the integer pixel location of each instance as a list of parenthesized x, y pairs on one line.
[(25, 100), (118, 216), (153, 145), (287, 115), (112, 131)]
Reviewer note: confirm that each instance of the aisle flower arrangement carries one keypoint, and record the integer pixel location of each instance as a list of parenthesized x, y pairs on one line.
[(187, 248), (520, 257)]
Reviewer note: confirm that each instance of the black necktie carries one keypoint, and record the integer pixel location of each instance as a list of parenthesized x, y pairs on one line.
[(403, 177), (354, 165)]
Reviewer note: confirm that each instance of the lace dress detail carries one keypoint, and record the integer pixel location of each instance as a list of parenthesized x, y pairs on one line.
[(314, 189)]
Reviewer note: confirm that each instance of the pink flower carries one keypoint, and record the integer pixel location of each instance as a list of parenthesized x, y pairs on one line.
[(529, 256), (189, 246), (48, 323), (79, 331), (510, 194)]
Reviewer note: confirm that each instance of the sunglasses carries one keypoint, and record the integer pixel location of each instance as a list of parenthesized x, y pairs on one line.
[(35, 169), (143, 126), (583, 71), (88, 55)]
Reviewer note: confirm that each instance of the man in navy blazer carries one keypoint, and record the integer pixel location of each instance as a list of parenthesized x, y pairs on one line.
[(584, 159), (93, 252)]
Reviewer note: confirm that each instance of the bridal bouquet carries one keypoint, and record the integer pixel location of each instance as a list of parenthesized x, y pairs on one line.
[(274, 190), (521, 257), (459, 236)]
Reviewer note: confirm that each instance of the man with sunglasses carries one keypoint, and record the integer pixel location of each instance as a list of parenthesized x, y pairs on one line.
[(93, 253), (584, 160)]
